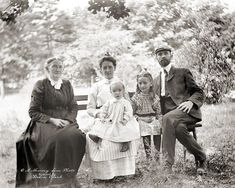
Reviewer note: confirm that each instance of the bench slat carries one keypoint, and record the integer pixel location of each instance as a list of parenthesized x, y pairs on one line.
[(192, 127), (82, 106), (82, 100), (81, 97)]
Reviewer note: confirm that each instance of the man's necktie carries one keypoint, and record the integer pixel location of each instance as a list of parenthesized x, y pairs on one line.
[(166, 77)]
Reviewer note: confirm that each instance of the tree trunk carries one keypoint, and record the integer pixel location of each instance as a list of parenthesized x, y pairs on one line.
[(2, 92), (92, 79)]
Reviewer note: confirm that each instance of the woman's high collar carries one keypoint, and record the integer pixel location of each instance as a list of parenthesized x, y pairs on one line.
[(108, 81), (56, 84)]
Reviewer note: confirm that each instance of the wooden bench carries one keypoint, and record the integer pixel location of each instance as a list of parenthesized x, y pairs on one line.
[(83, 99), (82, 105)]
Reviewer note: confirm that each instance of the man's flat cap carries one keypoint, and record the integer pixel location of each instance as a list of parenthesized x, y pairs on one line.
[(163, 48)]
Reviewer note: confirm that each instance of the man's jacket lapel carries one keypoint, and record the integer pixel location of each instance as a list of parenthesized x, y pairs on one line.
[(171, 73)]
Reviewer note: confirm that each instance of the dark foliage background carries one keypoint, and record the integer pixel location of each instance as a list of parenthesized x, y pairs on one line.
[(202, 36)]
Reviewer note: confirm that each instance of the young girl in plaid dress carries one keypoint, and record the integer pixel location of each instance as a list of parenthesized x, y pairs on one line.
[(146, 107)]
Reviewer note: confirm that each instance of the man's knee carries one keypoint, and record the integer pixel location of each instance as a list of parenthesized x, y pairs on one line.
[(181, 129), (169, 119)]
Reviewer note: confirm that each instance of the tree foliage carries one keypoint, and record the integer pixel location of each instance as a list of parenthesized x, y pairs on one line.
[(211, 52), (202, 37), (15, 8), (113, 8)]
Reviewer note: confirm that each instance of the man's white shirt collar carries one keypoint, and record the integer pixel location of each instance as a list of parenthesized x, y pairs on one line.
[(167, 68)]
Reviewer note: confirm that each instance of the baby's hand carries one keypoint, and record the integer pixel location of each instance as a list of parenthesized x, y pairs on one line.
[(102, 117), (123, 122), (102, 120), (98, 115)]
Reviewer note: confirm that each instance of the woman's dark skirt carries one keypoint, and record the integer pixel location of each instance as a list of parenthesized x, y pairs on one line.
[(49, 155)]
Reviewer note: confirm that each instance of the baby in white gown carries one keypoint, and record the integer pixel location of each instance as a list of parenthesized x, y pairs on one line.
[(116, 121)]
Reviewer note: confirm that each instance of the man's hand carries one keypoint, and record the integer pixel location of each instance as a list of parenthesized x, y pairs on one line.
[(185, 106)]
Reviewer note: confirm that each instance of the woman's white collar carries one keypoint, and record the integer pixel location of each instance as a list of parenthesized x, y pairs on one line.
[(56, 84)]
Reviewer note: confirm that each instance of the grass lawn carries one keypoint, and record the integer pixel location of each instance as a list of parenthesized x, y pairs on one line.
[(216, 136)]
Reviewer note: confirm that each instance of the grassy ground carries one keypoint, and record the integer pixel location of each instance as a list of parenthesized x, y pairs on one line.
[(216, 136)]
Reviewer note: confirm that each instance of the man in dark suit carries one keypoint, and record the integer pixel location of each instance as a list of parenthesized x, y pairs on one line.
[(181, 99)]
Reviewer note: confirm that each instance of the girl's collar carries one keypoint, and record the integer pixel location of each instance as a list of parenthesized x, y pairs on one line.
[(144, 94)]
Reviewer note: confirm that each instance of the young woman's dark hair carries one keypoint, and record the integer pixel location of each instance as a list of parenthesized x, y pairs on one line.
[(107, 58)]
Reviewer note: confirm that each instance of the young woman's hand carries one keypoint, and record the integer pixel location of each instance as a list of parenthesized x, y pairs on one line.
[(59, 122)]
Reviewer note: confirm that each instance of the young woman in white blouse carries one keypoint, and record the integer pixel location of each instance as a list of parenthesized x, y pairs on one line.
[(106, 160)]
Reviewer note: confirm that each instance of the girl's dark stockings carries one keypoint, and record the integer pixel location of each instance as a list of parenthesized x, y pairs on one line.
[(147, 145)]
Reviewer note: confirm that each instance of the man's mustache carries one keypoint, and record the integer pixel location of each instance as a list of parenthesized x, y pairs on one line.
[(164, 59)]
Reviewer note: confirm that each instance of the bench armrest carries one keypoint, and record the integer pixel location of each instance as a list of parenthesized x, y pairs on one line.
[(192, 127)]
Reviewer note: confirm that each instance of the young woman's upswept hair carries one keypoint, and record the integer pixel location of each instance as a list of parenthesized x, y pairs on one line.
[(145, 74)]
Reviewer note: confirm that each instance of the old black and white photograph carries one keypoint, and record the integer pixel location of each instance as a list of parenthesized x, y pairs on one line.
[(117, 93)]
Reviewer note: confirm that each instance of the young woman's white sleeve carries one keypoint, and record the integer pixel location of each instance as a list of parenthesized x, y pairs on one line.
[(92, 101)]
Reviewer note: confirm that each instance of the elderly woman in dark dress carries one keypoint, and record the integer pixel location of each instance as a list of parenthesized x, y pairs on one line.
[(50, 151)]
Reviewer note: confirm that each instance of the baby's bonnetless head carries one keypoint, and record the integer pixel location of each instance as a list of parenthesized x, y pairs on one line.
[(117, 89)]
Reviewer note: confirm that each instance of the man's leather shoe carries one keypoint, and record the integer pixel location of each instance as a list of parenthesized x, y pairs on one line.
[(167, 168), (201, 170)]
